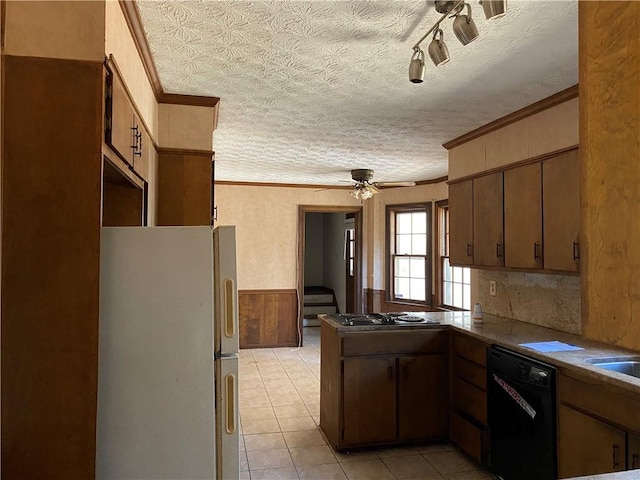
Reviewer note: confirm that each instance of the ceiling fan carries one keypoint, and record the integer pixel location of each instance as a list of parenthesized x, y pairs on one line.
[(365, 188)]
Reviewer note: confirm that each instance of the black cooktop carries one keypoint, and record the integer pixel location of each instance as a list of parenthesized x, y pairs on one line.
[(393, 318)]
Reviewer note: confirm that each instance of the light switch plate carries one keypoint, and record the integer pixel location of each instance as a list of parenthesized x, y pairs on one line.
[(492, 288)]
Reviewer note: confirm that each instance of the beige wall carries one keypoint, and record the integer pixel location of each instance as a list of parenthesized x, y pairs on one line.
[(267, 229), (70, 29), (552, 129), (267, 226), (543, 299)]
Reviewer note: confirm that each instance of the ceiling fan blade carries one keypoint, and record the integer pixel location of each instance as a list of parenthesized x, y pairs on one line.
[(395, 184)]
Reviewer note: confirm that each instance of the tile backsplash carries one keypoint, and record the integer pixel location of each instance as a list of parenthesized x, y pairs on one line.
[(547, 300)]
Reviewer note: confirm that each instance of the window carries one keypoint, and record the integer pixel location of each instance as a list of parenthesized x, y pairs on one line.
[(409, 262), (455, 282)]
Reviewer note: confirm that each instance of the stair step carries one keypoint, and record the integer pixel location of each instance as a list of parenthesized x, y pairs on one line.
[(321, 298), (315, 310)]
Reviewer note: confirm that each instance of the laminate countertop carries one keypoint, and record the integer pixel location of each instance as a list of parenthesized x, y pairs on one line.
[(628, 475), (511, 334)]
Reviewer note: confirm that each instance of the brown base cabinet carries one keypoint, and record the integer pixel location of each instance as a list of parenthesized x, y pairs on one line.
[(598, 427), (381, 388), (588, 446), (468, 407)]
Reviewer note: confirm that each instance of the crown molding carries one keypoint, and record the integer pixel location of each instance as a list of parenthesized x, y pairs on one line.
[(544, 104), (134, 22), (435, 180), (282, 185)]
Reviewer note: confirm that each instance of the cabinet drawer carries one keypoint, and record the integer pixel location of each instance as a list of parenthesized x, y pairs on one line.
[(381, 343), (471, 372), (470, 348), (467, 436), (470, 400)]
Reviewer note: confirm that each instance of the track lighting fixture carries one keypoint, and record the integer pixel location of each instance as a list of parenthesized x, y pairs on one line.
[(464, 28), (438, 51), (416, 67), (494, 8)]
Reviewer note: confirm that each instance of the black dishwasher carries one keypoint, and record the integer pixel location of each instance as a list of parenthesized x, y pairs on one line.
[(521, 407)]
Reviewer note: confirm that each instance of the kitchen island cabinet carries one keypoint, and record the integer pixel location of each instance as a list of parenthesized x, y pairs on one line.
[(380, 388)]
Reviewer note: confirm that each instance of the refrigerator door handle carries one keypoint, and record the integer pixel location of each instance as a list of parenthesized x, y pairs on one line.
[(230, 308), (231, 403)]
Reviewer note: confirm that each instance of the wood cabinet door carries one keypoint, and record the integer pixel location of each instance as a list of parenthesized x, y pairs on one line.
[(561, 208), (587, 446), (369, 414), (461, 223), (633, 452), (523, 217), (423, 384), (488, 226), (121, 121)]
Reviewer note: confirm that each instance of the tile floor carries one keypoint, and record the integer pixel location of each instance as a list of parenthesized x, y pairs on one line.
[(280, 437)]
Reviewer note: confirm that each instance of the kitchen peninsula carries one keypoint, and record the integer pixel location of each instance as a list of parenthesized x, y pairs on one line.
[(399, 383)]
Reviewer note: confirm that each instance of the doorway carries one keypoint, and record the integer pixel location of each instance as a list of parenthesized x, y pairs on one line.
[(329, 262)]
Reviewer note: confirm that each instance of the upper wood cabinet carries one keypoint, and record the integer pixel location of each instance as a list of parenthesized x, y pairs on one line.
[(185, 188), (461, 222), (523, 217), (561, 207), (124, 132), (488, 220)]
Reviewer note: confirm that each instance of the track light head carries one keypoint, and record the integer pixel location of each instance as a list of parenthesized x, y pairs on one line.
[(464, 27), (438, 50), (494, 8), (416, 66)]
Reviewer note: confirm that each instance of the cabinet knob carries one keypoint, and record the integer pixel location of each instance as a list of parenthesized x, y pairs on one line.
[(498, 250), (469, 249), (576, 250)]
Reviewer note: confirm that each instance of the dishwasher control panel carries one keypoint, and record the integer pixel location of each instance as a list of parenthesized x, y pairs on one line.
[(532, 374)]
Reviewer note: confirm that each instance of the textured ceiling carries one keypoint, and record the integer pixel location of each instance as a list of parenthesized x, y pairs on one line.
[(312, 89)]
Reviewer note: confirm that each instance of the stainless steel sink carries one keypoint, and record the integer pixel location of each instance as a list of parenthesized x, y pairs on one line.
[(626, 365)]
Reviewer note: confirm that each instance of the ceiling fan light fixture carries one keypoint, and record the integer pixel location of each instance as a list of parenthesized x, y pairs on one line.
[(465, 28), (494, 8), (438, 50)]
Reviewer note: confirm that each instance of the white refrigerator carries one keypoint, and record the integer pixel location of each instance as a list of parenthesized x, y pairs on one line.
[(168, 354)]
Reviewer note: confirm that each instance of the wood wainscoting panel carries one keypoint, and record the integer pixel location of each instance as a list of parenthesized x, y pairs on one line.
[(51, 171), (609, 68), (268, 318)]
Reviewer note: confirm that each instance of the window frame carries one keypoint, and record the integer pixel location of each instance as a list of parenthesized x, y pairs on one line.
[(390, 211), (441, 249)]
